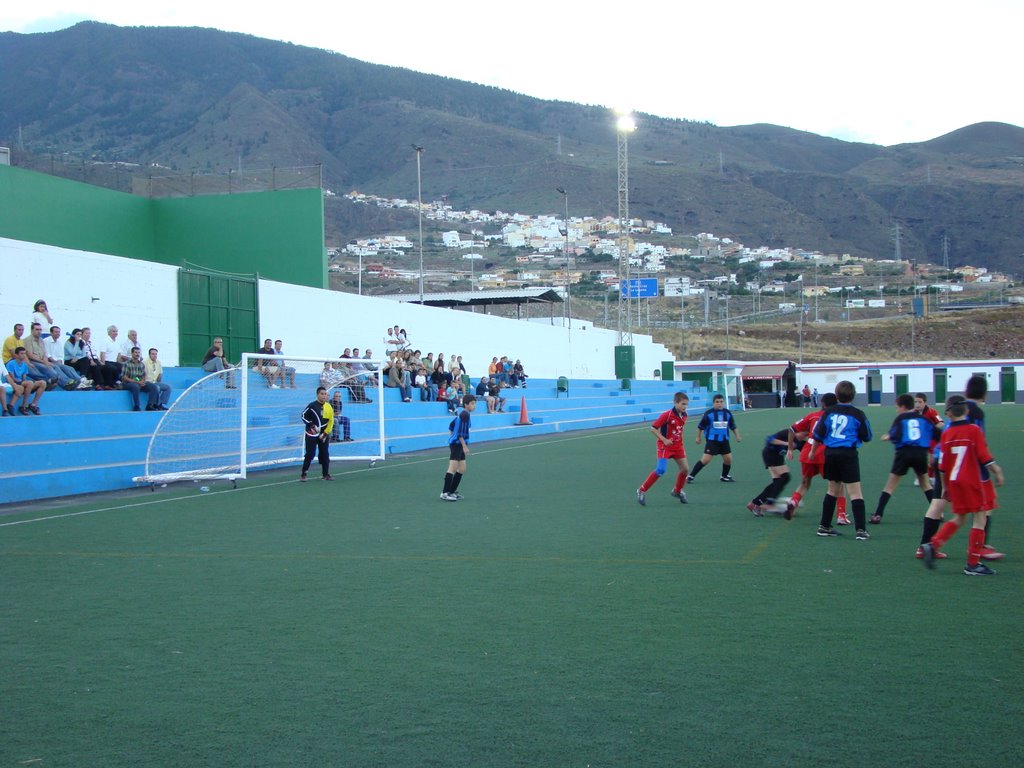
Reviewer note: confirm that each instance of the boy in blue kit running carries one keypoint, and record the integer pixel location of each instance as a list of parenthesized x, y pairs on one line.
[(842, 430), (458, 448), (714, 426), (911, 434)]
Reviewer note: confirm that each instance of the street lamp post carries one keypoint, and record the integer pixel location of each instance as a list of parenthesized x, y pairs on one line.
[(419, 210), (568, 296)]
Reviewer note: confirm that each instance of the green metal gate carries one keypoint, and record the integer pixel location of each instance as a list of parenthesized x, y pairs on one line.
[(1008, 384), (941, 386), (214, 304)]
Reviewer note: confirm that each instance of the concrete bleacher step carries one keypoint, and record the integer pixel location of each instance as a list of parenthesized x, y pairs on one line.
[(92, 441)]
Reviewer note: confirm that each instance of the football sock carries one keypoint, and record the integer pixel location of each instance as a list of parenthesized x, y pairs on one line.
[(828, 508), (448, 482), (696, 468), (795, 498), (841, 505), (456, 479), (975, 542), (725, 469), (765, 494), (930, 495), (651, 480), (930, 527), (680, 482), (860, 517), (944, 534), (988, 527), (883, 500)]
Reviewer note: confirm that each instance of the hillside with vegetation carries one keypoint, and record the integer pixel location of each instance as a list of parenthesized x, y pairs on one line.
[(961, 335), (142, 101)]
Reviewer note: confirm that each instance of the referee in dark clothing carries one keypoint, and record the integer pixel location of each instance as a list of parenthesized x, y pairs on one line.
[(319, 420)]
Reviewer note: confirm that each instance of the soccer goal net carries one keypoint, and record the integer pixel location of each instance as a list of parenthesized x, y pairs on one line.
[(250, 417)]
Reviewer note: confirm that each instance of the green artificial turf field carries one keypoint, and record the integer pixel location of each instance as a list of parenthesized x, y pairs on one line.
[(546, 620)]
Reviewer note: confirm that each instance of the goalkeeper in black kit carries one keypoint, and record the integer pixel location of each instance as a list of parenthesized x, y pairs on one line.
[(319, 420)]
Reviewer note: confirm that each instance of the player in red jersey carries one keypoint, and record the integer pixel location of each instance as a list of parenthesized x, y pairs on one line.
[(964, 456), (668, 429), (812, 467)]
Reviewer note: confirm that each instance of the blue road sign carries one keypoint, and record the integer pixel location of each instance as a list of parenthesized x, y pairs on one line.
[(642, 288)]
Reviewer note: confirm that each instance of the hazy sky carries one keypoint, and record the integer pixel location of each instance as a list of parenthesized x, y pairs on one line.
[(878, 71)]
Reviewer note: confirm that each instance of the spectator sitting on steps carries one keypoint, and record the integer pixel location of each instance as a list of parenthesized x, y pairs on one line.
[(155, 375), (17, 377), (133, 378)]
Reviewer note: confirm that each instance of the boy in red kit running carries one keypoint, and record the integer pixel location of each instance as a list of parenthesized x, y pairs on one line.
[(964, 454), (668, 429)]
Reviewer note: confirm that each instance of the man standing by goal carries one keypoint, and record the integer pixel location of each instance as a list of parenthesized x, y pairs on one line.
[(319, 420)]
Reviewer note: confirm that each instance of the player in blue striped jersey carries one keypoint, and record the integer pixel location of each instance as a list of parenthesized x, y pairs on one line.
[(911, 434), (841, 431), (458, 449), (714, 428)]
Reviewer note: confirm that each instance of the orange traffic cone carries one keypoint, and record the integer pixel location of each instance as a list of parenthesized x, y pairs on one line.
[(524, 416)]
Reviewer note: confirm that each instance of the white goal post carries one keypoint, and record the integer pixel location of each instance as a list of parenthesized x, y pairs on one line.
[(249, 417)]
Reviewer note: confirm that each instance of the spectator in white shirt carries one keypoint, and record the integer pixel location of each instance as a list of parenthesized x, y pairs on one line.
[(54, 346), (110, 350)]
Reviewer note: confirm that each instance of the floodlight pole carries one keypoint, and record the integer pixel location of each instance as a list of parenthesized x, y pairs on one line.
[(568, 295), (419, 210), (624, 126)]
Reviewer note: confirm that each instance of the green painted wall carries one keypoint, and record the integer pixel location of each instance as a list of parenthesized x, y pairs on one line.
[(276, 234), (280, 234), (46, 209)]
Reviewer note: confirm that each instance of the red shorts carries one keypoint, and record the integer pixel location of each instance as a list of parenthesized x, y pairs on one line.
[(671, 451), (811, 469), (965, 498)]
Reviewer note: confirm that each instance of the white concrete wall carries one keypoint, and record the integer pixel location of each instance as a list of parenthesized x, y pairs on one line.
[(314, 323), (97, 290), (920, 375), (90, 289)]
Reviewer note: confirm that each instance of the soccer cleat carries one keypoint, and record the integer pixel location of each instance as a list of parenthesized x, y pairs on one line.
[(928, 554), (458, 496), (937, 555), (978, 570), (842, 519), (862, 535), (328, 477), (641, 498), (828, 530), (875, 519), (727, 479), (302, 477), (988, 552), (682, 498), (790, 510), (756, 509), (690, 479), (448, 497)]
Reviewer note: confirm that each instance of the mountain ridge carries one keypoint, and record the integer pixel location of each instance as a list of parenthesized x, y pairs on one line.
[(199, 99)]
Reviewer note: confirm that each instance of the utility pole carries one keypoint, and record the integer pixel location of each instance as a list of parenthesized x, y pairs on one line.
[(419, 210)]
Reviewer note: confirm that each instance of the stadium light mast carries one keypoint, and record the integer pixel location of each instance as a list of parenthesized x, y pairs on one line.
[(419, 210), (624, 125), (568, 295)]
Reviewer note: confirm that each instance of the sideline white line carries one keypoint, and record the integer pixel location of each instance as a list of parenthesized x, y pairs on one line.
[(291, 481)]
